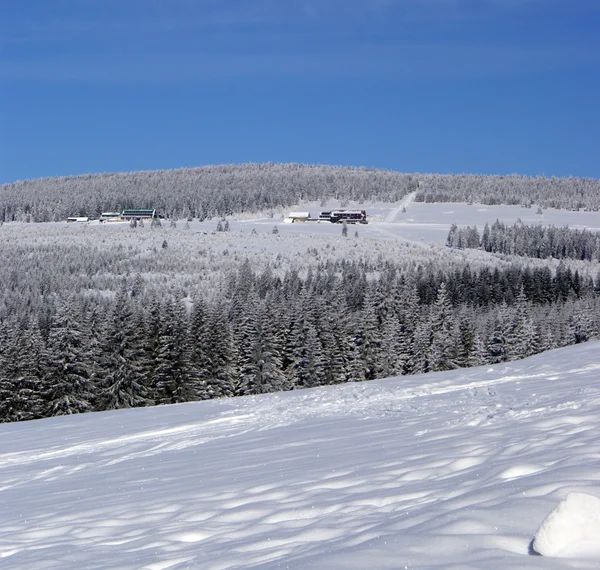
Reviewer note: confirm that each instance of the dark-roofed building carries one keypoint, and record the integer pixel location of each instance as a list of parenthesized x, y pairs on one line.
[(139, 214)]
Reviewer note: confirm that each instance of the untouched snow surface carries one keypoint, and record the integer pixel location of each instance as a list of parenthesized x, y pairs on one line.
[(447, 470)]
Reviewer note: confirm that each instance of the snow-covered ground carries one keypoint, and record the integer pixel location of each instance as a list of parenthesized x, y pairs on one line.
[(429, 223), (447, 470), (405, 220)]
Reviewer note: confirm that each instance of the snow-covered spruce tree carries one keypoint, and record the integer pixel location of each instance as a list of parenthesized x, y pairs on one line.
[(582, 326), (269, 372), (11, 369), (392, 361), (479, 353), (353, 282), (198, 343), (221, 378), (171, 379), (443, 350), (311, 367), (292, 333), (485, 238), (529, 341), (123, 369), (355, 366), (307, 362), (29, 356), (328, 306), (265, 282), (497, 345), (511, 320), (372, 355), (452, 239), (66, 372), (523, 340), (246, 334), (408, 311), (466, 336), (420, 356)]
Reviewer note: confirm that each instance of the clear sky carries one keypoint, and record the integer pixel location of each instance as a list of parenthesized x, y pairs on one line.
[(486, 86)]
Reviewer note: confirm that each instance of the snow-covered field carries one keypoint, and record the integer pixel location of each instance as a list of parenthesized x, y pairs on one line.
[(447, 470), (406, 220), (429, 223)]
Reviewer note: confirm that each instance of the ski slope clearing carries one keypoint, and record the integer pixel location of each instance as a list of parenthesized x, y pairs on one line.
[(448, 470)]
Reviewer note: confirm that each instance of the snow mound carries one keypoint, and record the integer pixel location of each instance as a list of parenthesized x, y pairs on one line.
[(572, 530)]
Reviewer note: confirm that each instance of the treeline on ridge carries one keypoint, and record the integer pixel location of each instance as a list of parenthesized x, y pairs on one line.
[(217, 191), (561, 193)]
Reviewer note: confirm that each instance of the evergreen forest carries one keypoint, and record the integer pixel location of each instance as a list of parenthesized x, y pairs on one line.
[(95, 318)]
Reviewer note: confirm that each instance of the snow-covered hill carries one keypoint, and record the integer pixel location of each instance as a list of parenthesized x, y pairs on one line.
[(446, 470)]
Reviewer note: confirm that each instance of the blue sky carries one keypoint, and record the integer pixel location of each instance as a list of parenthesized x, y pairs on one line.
[(486, 86)]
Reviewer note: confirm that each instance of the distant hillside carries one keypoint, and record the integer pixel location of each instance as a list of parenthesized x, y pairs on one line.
[(561, 193), (211, 191), (202, 193)]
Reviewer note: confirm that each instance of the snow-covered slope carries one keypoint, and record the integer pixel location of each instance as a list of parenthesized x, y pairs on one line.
[(447, 470)]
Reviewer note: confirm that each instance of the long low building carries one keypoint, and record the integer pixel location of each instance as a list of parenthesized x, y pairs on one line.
[(129, 214), (139, 214)]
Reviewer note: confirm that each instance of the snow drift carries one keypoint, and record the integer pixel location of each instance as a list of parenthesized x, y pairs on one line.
[(572, 529)]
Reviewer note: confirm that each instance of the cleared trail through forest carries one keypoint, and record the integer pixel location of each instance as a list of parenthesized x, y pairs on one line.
[(391, 217)]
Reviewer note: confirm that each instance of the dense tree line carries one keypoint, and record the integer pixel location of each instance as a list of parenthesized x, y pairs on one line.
[(264, 331), (526, 240), (216, 191), (562, 193)]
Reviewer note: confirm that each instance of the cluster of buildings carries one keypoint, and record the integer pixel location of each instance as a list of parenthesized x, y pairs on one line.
[(333, 216), (136, 214)]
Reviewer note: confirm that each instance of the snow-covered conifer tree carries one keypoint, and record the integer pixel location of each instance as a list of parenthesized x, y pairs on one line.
[(198, 343), (123, 369), (443, 350), (66, 373), (171, 379)]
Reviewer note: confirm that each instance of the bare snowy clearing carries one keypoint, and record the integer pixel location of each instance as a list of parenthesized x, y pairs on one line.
[(390, 234), (425, 222), (449, 470)]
